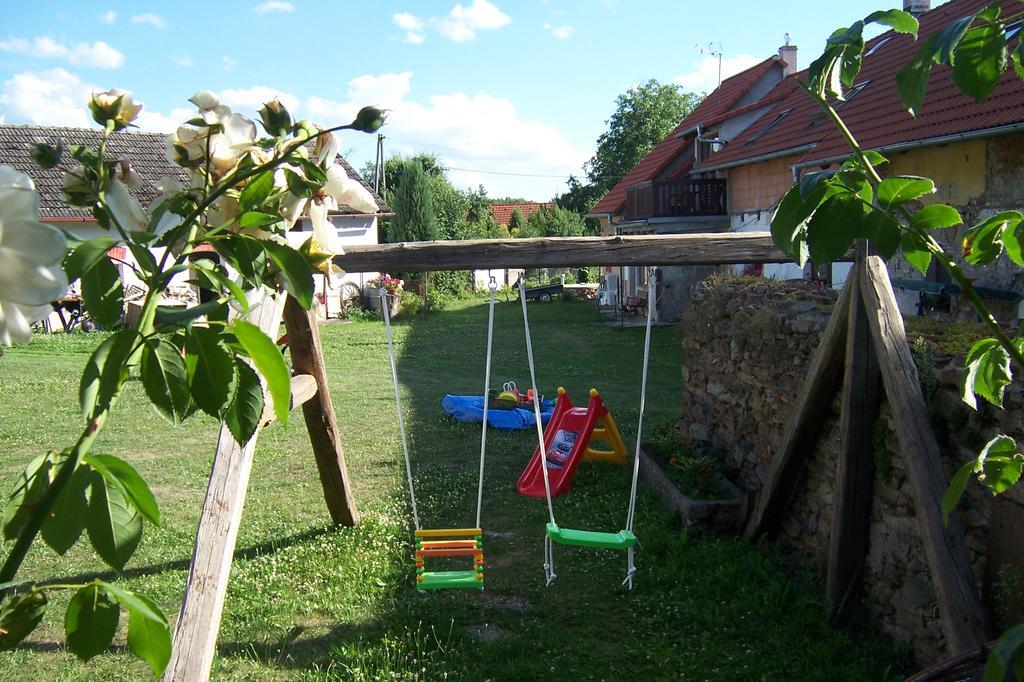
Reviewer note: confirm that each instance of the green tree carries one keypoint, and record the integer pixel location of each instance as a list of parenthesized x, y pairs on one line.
[(643, 116), (517, 222), (413, 204), (554, 222)]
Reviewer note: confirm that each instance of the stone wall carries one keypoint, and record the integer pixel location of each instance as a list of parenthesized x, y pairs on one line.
[(747, 345)]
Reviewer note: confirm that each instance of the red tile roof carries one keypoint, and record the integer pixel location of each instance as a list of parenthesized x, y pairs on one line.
[(875, 115), (503, 212), (710, 109)]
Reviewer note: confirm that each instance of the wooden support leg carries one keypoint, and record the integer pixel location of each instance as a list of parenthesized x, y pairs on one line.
[(964, 622), (805, 425), (851, 511), (195, 633), (318, 411)]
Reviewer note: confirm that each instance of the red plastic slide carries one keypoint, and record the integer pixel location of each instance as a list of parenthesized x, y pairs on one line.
[(565, 440)]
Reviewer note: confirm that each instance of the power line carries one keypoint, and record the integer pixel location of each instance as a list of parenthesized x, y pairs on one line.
[(520, 175)]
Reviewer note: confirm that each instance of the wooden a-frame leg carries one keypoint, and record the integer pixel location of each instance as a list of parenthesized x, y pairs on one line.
[(964, 621), (318, 411)]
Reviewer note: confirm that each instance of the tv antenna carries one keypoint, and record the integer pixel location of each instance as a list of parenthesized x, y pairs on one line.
[(715, 50)]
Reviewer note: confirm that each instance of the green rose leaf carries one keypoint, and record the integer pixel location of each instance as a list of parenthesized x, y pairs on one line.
[(19, 616), (257, 191), (884, 233), (245, 255), (129, 483), (893, 192), (897, 20), (87, 254), (149, 635), (258, 219), (103, 293), (984, 242), (213, 279), (296, 273), (212, 375), (30, 487), (91, 621), (1003, 654), (165, 379), (912, 81), (833, 227), (66, 521), (956, 490), (114, 525), (182, 317), (915, 253), (1018, 59), (270, 362), (988, 373), (980, 60), (936, 216), (243, 417), (104, 371)]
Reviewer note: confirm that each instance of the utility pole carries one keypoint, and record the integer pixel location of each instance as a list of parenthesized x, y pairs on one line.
[(379, 179)]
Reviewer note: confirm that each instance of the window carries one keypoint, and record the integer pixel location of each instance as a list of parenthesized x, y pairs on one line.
[(771, 124), (877, 46), (1013, 29)]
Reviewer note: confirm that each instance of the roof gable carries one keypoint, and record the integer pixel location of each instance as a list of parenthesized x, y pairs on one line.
[(713, 108), (875, 114)]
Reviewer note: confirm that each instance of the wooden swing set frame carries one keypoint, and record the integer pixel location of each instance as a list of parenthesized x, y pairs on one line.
[(863, 349)]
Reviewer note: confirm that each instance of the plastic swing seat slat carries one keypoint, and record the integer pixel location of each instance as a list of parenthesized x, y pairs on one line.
[(624, 539), (444, 580)]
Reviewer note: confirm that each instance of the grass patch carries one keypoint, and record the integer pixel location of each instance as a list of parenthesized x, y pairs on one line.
[(307, 601)]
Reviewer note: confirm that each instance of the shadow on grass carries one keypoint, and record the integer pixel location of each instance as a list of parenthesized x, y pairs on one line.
[(704, 606)]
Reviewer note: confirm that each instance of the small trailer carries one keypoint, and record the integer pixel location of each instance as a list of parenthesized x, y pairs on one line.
[(543, 293)]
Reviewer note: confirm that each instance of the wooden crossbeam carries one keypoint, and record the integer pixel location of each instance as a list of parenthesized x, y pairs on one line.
[(964, 622), (480, 254), (195, 633), (303, 388), (804, 426), (851, 509)]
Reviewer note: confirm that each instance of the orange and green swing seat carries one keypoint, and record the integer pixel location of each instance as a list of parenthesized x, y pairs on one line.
[(450, 542)]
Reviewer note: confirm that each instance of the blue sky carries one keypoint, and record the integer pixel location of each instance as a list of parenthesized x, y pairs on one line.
[(511, 93)]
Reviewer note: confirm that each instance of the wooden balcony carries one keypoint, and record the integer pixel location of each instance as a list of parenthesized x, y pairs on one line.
[(675, 198)]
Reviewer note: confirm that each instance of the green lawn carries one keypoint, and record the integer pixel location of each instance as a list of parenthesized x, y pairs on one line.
[(308, 601)]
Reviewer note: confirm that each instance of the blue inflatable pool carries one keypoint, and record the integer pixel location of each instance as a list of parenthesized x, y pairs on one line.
[(470, 408)]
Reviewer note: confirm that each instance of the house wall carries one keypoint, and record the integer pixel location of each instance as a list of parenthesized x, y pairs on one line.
[(759, 186), (958, 169)]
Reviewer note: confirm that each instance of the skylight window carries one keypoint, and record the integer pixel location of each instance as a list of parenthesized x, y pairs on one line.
[(1013, 29), (877, 46), (771, 124)]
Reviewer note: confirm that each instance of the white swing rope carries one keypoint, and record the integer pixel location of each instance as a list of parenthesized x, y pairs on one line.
[(536, 405), (652, 300), (385, 310), (651, 304), (492, 286)]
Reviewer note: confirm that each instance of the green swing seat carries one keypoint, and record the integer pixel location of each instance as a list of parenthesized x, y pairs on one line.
[(624, 539)]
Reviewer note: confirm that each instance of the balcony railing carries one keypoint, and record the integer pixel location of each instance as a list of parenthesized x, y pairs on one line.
[(675, 198)]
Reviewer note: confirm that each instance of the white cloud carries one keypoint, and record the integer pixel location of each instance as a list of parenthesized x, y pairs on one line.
[(274, 6), (108, 17), (53, 97), (703, 76), (227, 62), (183, 60), (412, 25), (99, 54), (151, 19), (479, 132), (562, 32), (155, 122), (250, 100), (462, 22)]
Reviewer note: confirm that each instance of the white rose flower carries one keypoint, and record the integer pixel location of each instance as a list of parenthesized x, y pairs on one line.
[(347, 191), (324, 232), (30, 259), (124, 208), (113, 105)]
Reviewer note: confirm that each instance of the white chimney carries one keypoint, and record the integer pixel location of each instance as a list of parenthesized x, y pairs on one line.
[(787, 53), (917, 7)]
